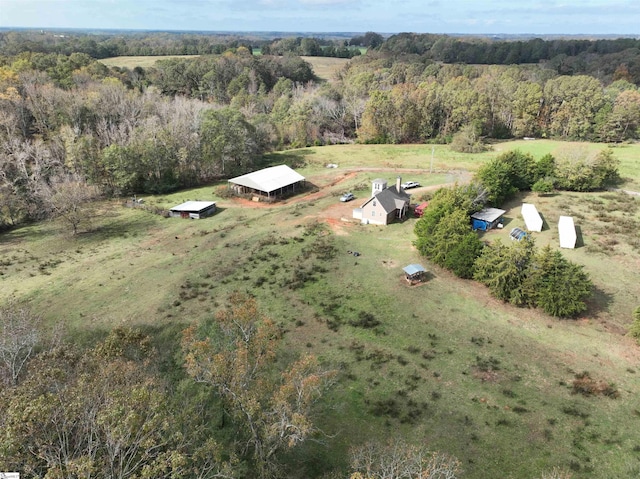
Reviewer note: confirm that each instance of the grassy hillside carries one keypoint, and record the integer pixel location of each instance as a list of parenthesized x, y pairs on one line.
[(441, 362)]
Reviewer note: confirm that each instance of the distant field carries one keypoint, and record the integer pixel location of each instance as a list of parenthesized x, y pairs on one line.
[(442, 363), (445, 159), (326, 67), (139, 61)]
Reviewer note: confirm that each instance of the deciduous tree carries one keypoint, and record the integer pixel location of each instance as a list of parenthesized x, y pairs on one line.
[(103, 412), (397, 459), (19, 335), (272, 407), (71, 198)]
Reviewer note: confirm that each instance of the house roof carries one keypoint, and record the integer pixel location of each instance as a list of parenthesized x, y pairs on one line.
[(269, 179), (413, 269), (531, 217), (390, 199), (193, 206), (488, 214)]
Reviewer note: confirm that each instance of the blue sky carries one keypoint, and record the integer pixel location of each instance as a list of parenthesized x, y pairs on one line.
[(383, 16)]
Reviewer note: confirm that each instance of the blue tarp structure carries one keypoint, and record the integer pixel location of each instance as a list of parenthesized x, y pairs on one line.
[(517, 234), (486, 219)]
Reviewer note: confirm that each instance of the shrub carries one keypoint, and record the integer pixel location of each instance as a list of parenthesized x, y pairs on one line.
[(365, 320), (543, 186), (468, 140), (587, 386), (634, 331)]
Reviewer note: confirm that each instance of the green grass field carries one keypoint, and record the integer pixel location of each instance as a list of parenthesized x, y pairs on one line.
[(442, 363)]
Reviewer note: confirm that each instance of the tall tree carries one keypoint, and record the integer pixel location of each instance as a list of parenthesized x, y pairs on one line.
[(72, 199), (560, 287), (397, 459), (504, 270), (272, 407), (228, 142), (104, 412), (19, 335)]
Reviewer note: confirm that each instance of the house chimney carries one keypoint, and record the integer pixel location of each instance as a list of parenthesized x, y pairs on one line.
[(398, 183)]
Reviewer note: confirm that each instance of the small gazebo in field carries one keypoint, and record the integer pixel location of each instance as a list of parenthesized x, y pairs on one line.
[(415, 273)]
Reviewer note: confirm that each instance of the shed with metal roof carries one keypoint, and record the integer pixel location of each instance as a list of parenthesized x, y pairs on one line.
[(414, 272), (486, 219), (193, 209)]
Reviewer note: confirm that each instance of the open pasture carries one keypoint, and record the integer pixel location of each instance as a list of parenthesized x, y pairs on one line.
[(139, 61), (441, 362), (326, 68)]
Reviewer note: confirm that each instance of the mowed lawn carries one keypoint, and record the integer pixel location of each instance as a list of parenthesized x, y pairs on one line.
[(441, 363)]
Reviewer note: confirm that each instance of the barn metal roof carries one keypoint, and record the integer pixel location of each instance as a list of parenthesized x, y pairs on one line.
[(488, 214), (269, 179), (193, 206), (413, 269)]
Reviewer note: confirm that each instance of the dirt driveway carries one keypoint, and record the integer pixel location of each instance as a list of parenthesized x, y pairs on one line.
[(339, 216)]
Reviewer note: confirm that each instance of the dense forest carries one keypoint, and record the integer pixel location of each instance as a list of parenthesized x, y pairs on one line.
[(188, 120)]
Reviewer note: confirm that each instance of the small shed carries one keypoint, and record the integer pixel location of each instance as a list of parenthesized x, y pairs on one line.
[(419, 211), (532, 218), (486, 219), (517, 234), (567, 232), (414, 273), (194, 210)]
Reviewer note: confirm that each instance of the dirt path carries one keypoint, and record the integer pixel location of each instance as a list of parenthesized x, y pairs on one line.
[(629, 192)]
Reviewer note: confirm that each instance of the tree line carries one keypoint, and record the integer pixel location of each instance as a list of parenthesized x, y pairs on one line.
[(105, 45), (566, 56), (184, 122)]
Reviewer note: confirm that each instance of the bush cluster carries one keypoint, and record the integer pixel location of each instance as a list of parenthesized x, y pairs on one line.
[(519, 273), (515, 171)]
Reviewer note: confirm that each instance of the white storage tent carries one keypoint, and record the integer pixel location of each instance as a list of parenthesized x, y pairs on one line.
[(269, 182), (567, 231), (531, 217)]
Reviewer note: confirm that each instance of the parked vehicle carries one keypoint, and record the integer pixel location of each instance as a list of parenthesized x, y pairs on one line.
[(347, 197), (409, 185), (419, 210)]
